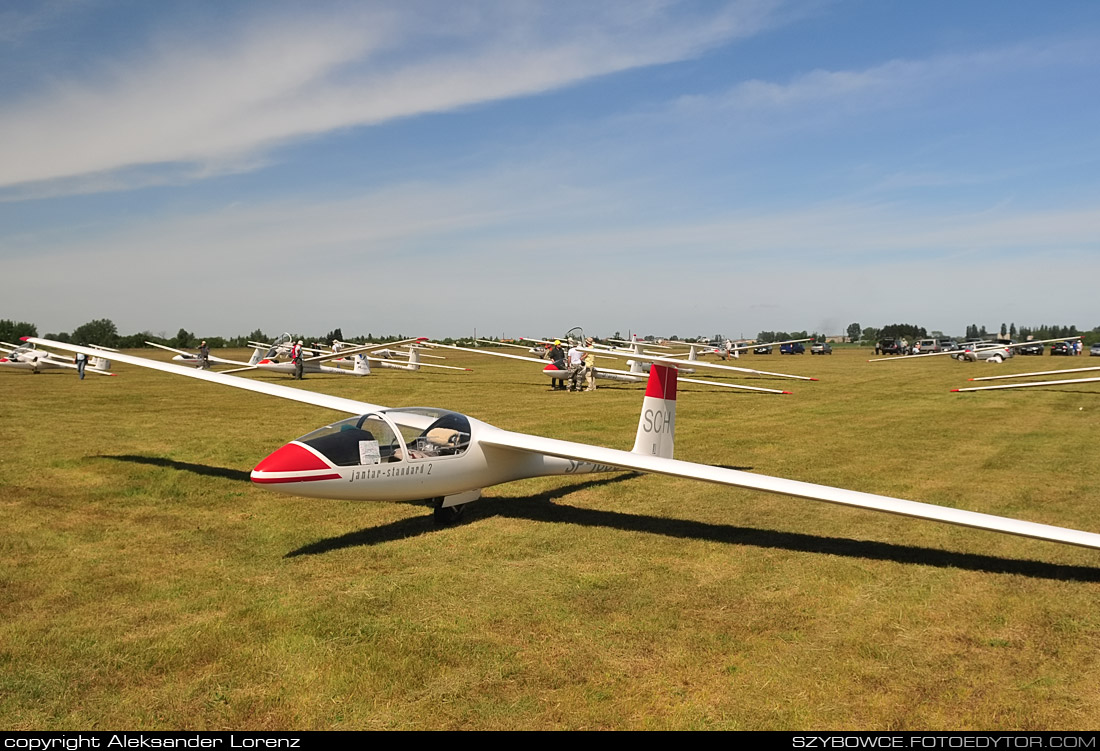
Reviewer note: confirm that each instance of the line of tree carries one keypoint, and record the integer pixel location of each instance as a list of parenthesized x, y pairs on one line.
[(1052, 332), (783, 336), (102, 331), (12, 331)]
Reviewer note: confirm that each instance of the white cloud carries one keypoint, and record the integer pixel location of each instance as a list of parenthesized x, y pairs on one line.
[(895, 83), (279, 80)]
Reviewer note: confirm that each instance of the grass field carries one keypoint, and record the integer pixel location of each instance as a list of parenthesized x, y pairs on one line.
[(145, 583)]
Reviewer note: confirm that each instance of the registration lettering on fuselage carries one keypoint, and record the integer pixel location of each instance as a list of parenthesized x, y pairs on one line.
[(390, 471)]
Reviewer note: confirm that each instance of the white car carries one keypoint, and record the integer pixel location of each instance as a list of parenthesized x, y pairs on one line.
[(991, 354)]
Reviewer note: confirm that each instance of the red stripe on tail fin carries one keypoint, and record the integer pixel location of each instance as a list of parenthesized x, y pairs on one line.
[(662, 382)]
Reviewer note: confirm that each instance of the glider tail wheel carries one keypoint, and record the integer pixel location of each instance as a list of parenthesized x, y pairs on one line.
[(446, 515)]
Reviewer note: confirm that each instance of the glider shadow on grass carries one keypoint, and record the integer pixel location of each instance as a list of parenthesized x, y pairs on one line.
[(205, 470), (541, 508)]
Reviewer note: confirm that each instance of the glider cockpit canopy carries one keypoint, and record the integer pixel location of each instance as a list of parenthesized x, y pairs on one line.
[(392, 435)]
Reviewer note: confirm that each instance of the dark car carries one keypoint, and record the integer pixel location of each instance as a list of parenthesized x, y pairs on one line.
[(890, 347), (794, 348), (1030, 348), (1062, 348), (764, 349), (821, 348)]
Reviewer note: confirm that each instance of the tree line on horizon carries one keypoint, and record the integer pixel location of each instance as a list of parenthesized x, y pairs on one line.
[(103, 332), (870, 334)]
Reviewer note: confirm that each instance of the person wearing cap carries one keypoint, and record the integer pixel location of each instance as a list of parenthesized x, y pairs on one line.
[(204, 356), (556, 356), (296, 358), (590, 366)]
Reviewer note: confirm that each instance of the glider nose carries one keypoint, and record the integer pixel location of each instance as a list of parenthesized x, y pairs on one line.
[(293, 463)]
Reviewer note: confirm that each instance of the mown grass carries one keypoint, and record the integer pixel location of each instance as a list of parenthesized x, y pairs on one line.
[(145, 583)]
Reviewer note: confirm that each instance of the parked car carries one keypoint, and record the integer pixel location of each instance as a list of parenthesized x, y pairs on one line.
[(793, 348), (926, 346), (1062, 348), (1094, 350), (948, 345), (992, 353), (1030, 348), (821, 348), (890, 347), (765, 349)]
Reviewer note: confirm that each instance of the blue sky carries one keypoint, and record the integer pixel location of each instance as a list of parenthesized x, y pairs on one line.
[(519, 168)]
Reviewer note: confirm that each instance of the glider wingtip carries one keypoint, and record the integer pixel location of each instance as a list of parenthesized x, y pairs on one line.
[(814, 379), (954, 391), (787, 392), (24, 338)]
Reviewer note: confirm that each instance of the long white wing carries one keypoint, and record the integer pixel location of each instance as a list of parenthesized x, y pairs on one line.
[(681, 379), (337, 403), (486, 352), (507, 440), (185, 353), (395, 361), (1029, 385), (664, 360), (1037, 373)]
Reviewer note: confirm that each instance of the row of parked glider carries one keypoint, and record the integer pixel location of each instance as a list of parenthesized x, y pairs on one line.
[(447, 458), (345, 358)]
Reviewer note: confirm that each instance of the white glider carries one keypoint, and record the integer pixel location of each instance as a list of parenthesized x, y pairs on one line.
[(382, 454), (636, 374), (26, 356)]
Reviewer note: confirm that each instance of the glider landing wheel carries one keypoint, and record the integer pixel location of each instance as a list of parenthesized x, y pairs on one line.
[(448, 515)]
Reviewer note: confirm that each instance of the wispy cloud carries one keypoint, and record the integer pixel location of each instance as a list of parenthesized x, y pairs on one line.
[(279, 79), (897, 83)]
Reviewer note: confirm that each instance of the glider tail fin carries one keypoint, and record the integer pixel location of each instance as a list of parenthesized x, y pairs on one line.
[(414, 358), (256, 355), (361, 365), (657, 423)]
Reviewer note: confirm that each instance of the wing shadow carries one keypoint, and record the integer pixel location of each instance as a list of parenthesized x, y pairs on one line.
[(541, 508), (200, 469)]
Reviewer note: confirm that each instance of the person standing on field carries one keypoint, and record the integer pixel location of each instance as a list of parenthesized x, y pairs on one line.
[(590, 366), (576, 367), (296, 358)]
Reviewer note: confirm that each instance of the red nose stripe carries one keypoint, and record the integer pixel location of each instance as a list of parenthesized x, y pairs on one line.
[(291, 458), (297, 478)]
